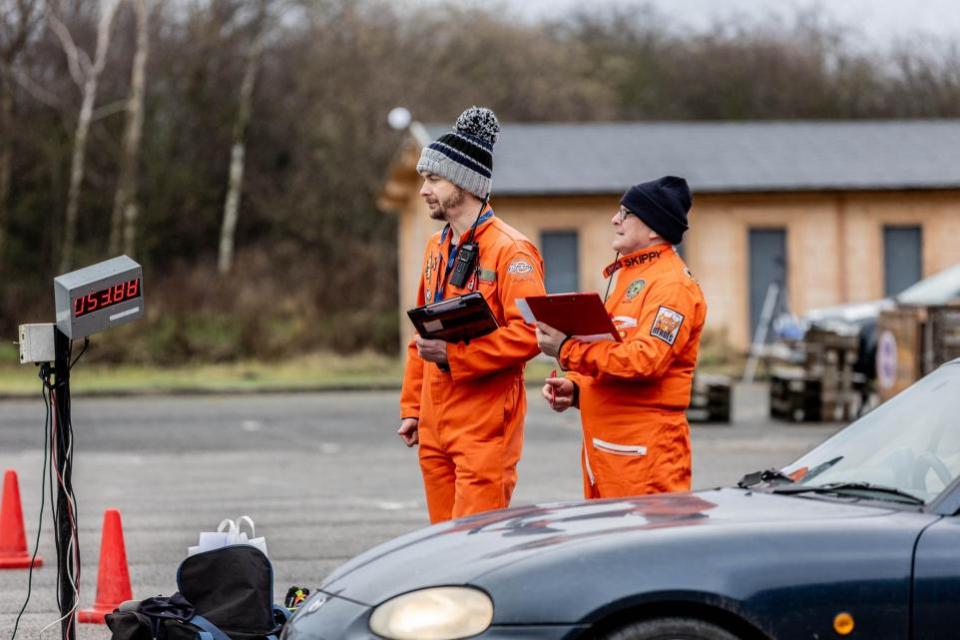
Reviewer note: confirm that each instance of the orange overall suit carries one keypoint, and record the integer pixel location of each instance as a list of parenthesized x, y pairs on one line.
[(633, 394), (471, 417)]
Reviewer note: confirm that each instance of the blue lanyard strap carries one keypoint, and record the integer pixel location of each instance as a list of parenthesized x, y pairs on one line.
[(452, 252)]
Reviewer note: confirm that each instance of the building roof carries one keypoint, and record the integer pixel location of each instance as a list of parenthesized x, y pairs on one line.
[(726, 157)]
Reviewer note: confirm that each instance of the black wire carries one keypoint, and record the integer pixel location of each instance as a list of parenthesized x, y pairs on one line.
[(44, 371), (86, 343), (473, 228), (610, 281)]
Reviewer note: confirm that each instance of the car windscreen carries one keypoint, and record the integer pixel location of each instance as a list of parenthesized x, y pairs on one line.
[(911, 443)]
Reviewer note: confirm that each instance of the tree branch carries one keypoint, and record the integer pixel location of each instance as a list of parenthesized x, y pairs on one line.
[(78, 61), (108, 110), (33, 89)]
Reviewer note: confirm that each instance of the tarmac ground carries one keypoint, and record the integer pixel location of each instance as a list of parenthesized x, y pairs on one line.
[(322, 475)]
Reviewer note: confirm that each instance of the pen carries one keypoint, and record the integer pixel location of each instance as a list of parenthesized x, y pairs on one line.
[(553, 389)]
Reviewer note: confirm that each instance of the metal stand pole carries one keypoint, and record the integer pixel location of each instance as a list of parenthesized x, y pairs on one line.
[(760, 337), (64, 471)]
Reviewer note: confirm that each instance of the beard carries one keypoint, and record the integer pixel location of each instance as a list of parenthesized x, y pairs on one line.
[(455, 200)]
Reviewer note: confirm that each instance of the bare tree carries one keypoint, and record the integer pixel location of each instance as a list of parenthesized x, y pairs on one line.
[(86, 73), (238, 149), (17, 24), (123, 225)]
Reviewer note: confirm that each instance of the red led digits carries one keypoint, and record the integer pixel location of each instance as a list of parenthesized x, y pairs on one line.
[(106, 297)]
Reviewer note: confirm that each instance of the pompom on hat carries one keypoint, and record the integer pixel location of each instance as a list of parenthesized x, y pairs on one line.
[(464, 156)]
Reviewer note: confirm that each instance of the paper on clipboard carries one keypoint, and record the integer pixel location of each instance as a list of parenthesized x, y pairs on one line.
[(525, 311), (581, 315)]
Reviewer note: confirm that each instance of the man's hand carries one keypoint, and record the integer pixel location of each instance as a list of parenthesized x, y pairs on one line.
[(549, 339), (558, 392), (434, 351), (408, 431)]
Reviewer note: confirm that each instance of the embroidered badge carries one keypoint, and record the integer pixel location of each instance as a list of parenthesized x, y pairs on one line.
[(519, 267), (666, 325), (624, 322), (488, 275), (431, 265), (635, 288)]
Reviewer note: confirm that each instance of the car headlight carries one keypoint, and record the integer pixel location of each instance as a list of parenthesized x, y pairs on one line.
[(438, 613)]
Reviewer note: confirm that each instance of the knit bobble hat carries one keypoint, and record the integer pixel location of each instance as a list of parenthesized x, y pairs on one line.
[(464, 156), (662, 205)]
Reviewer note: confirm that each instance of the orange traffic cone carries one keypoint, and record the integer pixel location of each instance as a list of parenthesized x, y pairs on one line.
[(113, 579), (13, 537)]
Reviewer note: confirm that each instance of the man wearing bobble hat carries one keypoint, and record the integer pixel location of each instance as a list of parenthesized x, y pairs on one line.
[(464, 403), (633, 394)]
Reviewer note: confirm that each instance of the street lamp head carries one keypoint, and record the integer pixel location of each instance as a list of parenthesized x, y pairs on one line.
[(399, 118)]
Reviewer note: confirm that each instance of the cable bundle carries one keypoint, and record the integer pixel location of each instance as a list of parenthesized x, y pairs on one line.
[(58, 451)]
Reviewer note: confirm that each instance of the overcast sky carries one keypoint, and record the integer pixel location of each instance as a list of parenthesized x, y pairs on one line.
[(873, 22)]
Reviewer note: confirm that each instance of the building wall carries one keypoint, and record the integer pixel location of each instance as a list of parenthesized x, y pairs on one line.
[(834, 243)]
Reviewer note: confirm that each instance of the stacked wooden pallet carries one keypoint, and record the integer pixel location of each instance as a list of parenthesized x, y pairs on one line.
[(912, 342), (830, 358), (794, 396), (710, 400), (824, 387)]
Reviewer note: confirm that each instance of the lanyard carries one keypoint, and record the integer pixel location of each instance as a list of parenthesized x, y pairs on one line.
[(441, 283)]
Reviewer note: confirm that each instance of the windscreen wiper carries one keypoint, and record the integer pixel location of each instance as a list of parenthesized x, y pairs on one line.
[(768, 475), (842, 488)]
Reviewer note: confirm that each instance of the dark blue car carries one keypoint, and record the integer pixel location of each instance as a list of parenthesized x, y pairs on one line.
[(859, 538)]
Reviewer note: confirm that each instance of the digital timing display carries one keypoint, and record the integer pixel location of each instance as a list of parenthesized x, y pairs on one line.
[(82, 305)]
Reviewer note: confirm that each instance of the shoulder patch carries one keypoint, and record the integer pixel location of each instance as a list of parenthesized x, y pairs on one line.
[(520, 267), (635, 288), (667, 325)]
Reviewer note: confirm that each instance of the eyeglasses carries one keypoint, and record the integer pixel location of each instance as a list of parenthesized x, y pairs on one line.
[(622, 214)]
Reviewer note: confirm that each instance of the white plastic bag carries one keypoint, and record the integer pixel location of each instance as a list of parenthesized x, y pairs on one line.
[(229, 532)]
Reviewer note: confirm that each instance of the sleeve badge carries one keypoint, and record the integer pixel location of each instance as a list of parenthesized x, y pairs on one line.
[(666, 325), (520, 267), (635, 288)]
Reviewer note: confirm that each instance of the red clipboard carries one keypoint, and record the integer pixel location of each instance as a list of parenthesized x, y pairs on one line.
[(575, 314)]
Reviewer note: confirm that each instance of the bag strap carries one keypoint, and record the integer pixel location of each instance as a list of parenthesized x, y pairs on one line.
[(208, 627), (227, 526), (248, 520)]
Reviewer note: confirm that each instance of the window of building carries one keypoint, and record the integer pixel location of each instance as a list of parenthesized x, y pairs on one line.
[(902, 258), (561, 258)]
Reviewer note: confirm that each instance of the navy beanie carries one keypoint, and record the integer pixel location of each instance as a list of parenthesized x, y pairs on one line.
[(662, 205)]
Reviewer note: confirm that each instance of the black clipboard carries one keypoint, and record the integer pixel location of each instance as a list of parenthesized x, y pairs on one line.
[(459, 319)]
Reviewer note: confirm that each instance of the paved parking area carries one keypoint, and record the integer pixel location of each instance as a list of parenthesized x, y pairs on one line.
[(322, 475)]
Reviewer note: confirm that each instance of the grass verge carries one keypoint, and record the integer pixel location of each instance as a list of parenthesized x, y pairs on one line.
[(317, 372), (310, 373)]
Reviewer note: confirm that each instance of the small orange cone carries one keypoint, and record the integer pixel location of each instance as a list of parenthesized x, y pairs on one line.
[(13, 537), (113, 578)]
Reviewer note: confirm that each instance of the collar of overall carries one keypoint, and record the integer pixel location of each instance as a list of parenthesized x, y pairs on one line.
[(639, 258)]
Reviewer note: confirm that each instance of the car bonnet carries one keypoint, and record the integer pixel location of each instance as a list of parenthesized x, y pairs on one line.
[(459, 551)]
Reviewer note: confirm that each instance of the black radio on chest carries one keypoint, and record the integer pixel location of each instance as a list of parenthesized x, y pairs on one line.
[(464, 265)]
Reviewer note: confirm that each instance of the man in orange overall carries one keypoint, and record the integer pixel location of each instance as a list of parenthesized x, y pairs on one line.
[(464, 403), (632, 395)]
